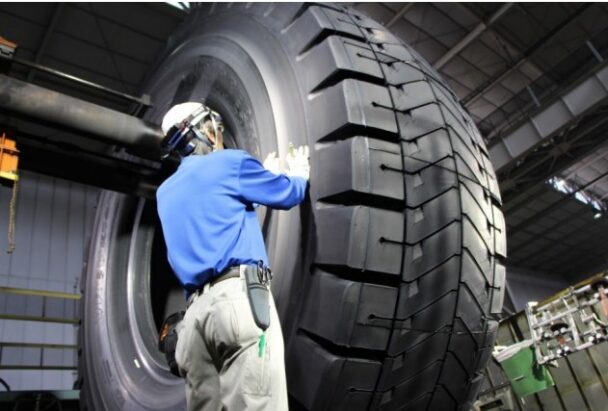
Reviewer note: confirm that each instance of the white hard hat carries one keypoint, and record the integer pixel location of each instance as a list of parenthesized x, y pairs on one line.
[(181, 128), (181, 112)]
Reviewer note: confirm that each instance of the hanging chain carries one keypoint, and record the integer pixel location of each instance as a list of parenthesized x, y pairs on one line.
[(11, 219)]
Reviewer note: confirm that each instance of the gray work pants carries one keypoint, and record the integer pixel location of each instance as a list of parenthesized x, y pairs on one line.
[(218, 352)]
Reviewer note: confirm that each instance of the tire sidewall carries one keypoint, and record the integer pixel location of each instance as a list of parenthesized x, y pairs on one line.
[(261, 84)]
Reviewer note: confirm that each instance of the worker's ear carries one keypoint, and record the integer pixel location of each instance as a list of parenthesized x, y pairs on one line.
[(210, 136), (220, 139)]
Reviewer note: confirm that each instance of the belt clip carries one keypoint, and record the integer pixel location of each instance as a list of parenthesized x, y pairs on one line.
[(264, 273)]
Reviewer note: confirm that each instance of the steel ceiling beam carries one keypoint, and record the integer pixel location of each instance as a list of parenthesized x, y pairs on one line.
[(551, 119), (520, 183), (526, 55), (45, 39), (563, 240), (583, 165), (568, 263), (80, 39), (143, 100), (399, 14), (149, 35), (551, 207), (471, 36)]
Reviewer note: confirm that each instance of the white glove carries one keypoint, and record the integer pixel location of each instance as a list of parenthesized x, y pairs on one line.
[(298, 163), (272, 163)]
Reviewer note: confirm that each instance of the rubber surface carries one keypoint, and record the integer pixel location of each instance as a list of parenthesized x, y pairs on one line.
[(389, 279)]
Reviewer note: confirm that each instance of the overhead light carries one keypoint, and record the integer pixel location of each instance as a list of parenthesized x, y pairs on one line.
[(597, 215), (182, 5)]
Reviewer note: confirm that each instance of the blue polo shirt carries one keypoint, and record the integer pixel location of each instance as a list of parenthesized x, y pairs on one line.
[(207, 214)]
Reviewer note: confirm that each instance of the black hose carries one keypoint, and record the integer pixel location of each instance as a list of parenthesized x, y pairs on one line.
[(91, 120)]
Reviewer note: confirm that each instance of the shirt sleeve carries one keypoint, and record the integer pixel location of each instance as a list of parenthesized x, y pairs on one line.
[(260, 186)]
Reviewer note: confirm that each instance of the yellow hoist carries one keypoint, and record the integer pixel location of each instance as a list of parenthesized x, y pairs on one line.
[(9, 162)]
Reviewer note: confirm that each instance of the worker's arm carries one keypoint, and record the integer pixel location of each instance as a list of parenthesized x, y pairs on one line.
[(260, 186)]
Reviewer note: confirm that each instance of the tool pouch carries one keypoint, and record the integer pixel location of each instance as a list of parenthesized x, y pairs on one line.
[(167, 340), (257, 279)]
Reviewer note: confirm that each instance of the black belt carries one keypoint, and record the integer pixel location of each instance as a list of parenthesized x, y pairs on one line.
[(231, 272)]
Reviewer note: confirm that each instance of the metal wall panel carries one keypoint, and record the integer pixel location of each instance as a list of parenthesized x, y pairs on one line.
[(54, 219)]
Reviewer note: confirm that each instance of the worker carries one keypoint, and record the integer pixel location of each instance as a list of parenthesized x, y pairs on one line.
[(229, 344)]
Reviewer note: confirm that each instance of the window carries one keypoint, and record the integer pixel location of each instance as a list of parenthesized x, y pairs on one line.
[(583, 196), (184, 6)]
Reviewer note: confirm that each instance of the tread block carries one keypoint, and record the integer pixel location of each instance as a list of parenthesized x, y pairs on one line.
[(454, 378), (335, 55), (480, 251), (425, 181), (493, 185), (450, 102), (442, 400), (315, 23), (432, 215), (436, 317), (338, 383), (410, 96), (351, 236), (470, 310), (467, 172), (354, 110), (423, 293), (408, 391), (481, 142), (406, 365), (478, 277), (485, 156), (474, 166), (465, 346), (427, 67), (480, 216), (399, 72), (500, 232), (363, 21), (332, 300), (387, 51), (490, 338), (498, 294), (420, 121), (433, 251), (419, 403), (375, 33), (353, 167), (428, 148), (429, 287), (342, 22), (480, 195), (494, 188)]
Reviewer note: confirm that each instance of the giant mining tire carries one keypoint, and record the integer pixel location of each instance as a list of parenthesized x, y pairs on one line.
[(388, 278)]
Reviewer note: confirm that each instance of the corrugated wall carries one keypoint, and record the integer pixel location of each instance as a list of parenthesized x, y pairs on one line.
[(54, 220)]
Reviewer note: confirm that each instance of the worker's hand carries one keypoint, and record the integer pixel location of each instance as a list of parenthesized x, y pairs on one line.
[(298, 163), (272, 163)]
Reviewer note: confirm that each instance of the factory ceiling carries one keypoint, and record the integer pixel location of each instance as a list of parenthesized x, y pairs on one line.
[(513, 65)]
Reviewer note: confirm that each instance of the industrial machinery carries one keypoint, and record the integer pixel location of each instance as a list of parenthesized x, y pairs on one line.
[(569, 322), (388, 282)]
